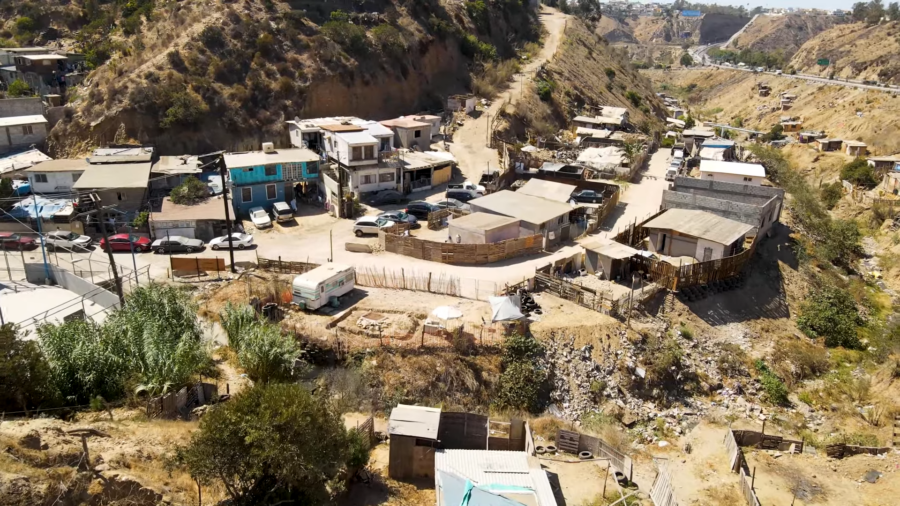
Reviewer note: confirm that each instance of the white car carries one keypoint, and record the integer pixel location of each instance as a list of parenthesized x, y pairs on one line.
[(260, 218), (64, 239), (370, 225), (238, 240), (467, 185)]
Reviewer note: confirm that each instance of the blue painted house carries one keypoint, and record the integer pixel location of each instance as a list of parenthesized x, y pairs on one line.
[(259, 178)]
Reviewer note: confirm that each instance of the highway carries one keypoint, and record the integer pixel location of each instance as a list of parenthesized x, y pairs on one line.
[(699, 54)]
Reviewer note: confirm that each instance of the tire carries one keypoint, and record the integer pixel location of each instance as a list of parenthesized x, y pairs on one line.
[(161, 251), (215, 247), (139, 249), (50, 247), (241, 246), (189, 249), (358, 233)]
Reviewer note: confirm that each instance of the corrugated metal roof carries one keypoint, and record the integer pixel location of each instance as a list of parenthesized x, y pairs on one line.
[(528, 208), (114, 175), (485, 467), (550, 190), (736, 168), (415, 421), (453, 488), (64, 165), (542, 488), (609, 248), (22, 160), (700, 224), (482, 221)]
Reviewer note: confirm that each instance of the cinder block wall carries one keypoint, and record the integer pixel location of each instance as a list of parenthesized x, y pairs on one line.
[(12, 107)]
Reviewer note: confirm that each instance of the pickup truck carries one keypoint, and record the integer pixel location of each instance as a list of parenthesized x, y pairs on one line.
[(490, 181), (467, 185)]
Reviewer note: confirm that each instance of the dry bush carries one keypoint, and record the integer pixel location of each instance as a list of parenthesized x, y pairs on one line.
[(732, 361), (795, 361), (494, 77), (535, 114), (723, 495), (548, 427)]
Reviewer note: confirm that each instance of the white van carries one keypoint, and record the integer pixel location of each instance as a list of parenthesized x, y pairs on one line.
[(317, 287)]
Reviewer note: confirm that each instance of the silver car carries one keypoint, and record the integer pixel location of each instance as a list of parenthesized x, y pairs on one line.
[(64, 239)]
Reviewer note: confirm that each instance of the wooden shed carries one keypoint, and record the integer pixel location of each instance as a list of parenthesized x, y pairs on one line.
[(413, 431), (608, 258)]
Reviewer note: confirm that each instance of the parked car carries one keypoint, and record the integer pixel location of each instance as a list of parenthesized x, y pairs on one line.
[(238, 240), (9, 240), (370, 225), (671, 172), (387, 197), (420, 209), (461, 195), (399, 217), (587, 196), (452, 204), (282, 212), (63, 239), (126, 242), (260, 218), (176, 244), (467, 185)]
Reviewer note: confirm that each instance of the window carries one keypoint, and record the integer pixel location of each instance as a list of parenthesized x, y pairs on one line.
[(367, 179), (271, 170), (271, 191), (707, 254), (748, 179), (369, 152), (560, 220), (121, 196), (246, 194), (312, 168), (75, 176), (662, 244), (417, 134), (40, 178), (27, 130), (357, 153), (387, 177), (46, 63)]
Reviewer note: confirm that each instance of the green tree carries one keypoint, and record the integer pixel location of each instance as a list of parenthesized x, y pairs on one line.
[(545, 89), (25, 24), (18, 88), (860, 173), (874, 12), (893, 11), (24, 373), (270, 444), (831, 313), (776, 133), (860, 11), (633, 97), (267, 355), (190, 191), (523, 379), (187, 108), (686, 60), (831, 194), (689, 122), (349, 36)]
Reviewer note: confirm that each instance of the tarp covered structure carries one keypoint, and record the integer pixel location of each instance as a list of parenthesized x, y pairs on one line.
[(504, 309)]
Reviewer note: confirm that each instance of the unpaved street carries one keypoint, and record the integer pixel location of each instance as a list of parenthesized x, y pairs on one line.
[(469, 144), (641, 198)]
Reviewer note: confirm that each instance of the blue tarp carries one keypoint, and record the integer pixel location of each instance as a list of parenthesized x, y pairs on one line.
[(25, 208), (691, 14)]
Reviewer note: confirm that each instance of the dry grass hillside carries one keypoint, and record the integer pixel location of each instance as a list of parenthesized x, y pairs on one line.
[(218, 74), (614, 31), (585, 71), (724, 95), (856, 51), (787, 33)]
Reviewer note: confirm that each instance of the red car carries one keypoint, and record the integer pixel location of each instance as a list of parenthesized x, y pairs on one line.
[(9, 240), (123, 242)]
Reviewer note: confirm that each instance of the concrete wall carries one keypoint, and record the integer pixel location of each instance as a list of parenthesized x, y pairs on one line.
[(56, 181), (12, 107), (718, 250), (35, 273), (356, 178), (759, 206), (14, 137), (730, 178), (474, 236), (126, 199)]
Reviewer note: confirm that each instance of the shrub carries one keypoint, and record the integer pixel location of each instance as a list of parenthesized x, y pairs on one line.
[(686, 332), (732, 360), (610, 73), (24, 373), (774, 388), (389, 39), (776, 133), (831, 313), (831, 194), (689, 122), (545, 89), (18, 88), (265, 44), (189, 192), (859, 173), (141, 219), (474, 48), (272, 444), (686, 60), (212, 37), (795, 361), (187, 109), (493, 77), (25, 24), (518, 347), (478, 13), (667, 142), (349, 36), (523, 378), (664, 364), (267, 355), (633, 97)]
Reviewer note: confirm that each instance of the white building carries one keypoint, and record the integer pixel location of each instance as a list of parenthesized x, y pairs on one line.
[(698, 234), (56, 176), (732, 172)]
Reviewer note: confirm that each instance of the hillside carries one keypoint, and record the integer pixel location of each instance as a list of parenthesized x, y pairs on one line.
[(614, 31), (216, 74), (724, 95), (856, 51), (585, 71), (785, 33)]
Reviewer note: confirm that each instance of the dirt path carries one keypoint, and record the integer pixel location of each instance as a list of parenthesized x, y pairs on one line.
[(470, 141)]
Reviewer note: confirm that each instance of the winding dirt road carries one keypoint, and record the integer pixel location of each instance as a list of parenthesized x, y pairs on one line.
[(469, 144)]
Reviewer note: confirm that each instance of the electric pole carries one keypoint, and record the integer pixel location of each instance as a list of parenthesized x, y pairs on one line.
[(223, 171), (100, 214)]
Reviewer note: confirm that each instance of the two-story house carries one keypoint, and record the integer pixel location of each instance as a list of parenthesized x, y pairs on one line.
[(259, 178), (56, 176)]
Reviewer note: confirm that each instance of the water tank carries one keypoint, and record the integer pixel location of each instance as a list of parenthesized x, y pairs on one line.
[(268, 147)]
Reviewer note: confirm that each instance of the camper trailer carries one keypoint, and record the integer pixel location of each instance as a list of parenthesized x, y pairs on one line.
[(321, 285)]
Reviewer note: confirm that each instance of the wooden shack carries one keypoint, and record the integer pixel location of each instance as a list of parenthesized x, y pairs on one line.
[(413, 431)]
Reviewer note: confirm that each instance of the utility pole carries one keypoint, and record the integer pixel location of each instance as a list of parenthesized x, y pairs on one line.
[(37, 216), (101, 215), (223, 172)]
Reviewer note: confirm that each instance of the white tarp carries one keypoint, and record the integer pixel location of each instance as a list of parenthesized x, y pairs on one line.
[(505, 309)]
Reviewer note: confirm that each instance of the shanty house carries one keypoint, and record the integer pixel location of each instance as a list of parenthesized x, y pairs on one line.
[(826, 144), (483, 228), (717, 149), (413, 431), (808, 137), (18, 132), (884, 164), (260, 177), (694, 137), (411, 133), (890, 182), (855, 148), (56, 176), (16, 164), (205, 220), (608, 258), (123, 185), (490, 478), (732, 172), (698, 234), (170, 171), (791, 126), (549, 190), (537, 215)]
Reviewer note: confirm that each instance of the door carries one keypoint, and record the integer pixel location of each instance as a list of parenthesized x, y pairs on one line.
[(707, 254)]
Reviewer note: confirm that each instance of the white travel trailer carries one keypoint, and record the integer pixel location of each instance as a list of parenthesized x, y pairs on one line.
[(316, 288)]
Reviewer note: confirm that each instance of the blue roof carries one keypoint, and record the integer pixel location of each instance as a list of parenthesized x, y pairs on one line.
[(691, 14)]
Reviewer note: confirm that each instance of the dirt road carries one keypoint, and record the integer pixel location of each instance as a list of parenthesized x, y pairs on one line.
[(469, 144), (641, 198)]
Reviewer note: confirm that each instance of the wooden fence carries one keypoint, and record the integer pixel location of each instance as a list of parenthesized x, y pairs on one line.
[(581, 295), (596, 219), (452, 253), (574, 442), (284, 266), (196, 266), (735, 455), (662, 493), (839, 451), (746, 485), (443, 284)]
